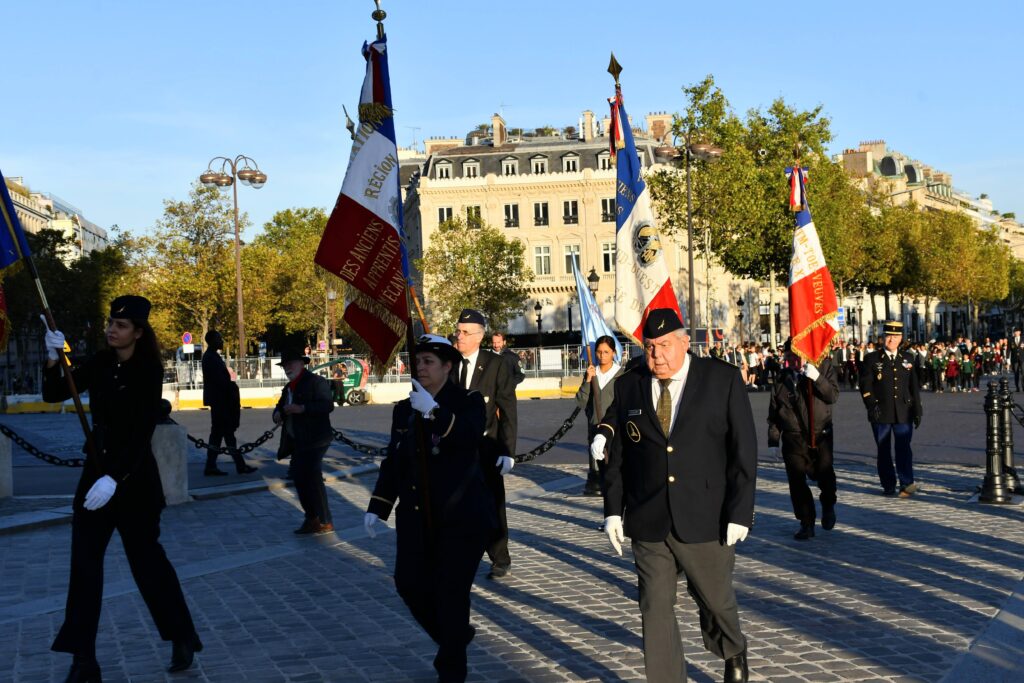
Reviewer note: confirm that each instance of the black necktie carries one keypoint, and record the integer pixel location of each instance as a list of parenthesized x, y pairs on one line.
[(463, 373)]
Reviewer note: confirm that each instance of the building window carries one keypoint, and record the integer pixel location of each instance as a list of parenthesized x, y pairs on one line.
[(608, 257), (510, 167), (511, 215), (572, 253), (444, 213), (608, 210), (473, 216), (542, 260), (640, 158), (570, 163), (471, 169), (444, 170), (604, 161), (570, 212), (540, 165), (540, 213)]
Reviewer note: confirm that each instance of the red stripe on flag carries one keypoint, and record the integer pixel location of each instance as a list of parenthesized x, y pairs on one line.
[(665, 298), (371, 329), (812, 303)]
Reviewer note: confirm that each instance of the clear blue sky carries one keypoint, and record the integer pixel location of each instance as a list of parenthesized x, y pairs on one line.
[(116, 106)]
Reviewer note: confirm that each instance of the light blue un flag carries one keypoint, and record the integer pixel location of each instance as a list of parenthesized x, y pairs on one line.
[(592, 323)]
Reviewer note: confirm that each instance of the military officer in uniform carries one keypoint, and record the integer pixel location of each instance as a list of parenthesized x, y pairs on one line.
[(444, 519), (681, 473), (488, 374), (888, 385)]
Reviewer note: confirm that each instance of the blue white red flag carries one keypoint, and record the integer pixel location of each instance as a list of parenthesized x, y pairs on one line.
[(363, 242), (813, 307), (642, 282), (592, 323), (13, 246)]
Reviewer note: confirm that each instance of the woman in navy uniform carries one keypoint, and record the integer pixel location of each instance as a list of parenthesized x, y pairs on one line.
[(444, 519), (120, 488)]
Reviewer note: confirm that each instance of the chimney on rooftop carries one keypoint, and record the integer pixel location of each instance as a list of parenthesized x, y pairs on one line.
[(498, 132), (588, 131)]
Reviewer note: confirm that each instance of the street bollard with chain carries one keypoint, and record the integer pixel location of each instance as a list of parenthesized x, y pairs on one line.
[(1010, 472), (994, 489)]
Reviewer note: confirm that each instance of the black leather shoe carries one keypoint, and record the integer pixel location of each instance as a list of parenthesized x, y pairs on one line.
[(498, 573), (214, 473), (183, 653), (246, 469), (736, 666), (309, 526), (84, 672), (828, 517), (806, 533)]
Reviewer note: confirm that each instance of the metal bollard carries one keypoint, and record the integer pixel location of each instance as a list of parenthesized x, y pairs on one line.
[(994, 489), (1010, 472)]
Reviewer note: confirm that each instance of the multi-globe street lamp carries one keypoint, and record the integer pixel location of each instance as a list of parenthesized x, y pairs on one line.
[(739, 304), (704, 152), (247, 175)]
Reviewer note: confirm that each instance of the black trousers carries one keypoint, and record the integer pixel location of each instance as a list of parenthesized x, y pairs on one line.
[(497, 547), (152, 571), (435, 586), (708, 568), (801, 465), (307, 475), (218, 432)]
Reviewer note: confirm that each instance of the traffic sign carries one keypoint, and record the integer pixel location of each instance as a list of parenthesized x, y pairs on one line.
[(188, 348), (841, 316), (186, 338)]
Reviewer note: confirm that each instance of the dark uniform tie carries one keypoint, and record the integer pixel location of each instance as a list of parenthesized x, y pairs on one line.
[(463, 373), (665, 405)]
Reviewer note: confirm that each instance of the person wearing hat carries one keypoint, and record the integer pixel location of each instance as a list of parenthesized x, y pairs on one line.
[(802, 400), (221, 394), (119, 489), (445, 520), (304, 410), (488, 374), (681, 471), (888, 385)]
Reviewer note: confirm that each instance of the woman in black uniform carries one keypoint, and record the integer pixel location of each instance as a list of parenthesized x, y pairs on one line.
[(120, 488), (438, 557)]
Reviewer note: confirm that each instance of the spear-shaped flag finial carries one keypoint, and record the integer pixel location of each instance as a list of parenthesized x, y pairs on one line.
[(614, 68)]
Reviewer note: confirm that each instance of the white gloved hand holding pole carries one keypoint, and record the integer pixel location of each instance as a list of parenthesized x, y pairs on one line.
[(812, 372), (100, 493), (505, 463), (613, 527), (370, 521), (597, 447), (735, 533), (53, 340), (421, 400)]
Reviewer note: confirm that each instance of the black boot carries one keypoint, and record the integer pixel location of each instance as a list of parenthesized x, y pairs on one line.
[(806, 532), (736, 666), (84, 670), (828, 517), (183, 653)]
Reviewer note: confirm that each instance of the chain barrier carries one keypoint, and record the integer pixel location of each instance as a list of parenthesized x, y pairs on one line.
[(36, 453), (227, 450), (359, 447)]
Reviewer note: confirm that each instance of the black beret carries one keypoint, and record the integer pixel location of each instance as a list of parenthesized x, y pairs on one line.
[(893, 327), (468, 315), (660, 322), (131, 307)]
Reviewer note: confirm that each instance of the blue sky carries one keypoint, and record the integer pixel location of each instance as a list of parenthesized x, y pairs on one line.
[(116, 106)]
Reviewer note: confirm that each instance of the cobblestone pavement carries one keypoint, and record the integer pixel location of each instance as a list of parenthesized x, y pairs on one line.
[(898, 591)]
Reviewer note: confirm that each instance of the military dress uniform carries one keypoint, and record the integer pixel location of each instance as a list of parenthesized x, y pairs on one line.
[(888, 385), (435, 566)]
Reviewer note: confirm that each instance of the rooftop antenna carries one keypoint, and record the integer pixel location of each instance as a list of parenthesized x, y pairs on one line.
[(414, 129)]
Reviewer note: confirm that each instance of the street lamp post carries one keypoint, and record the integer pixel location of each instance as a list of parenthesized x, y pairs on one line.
[(332, 295), (247, 175), (860, 318), (739, 302), (705, 152), (537, 308), (568, 307)]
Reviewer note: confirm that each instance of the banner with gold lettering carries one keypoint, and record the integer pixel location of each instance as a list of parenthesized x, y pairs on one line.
[(813, 308), (363, 243)]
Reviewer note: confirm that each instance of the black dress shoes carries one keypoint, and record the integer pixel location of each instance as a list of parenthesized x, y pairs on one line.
[(736, 668), (828, 517), (806, 533), (183, 653), (498, 573), (84, 672), (246, 469), (314, 526), (214, 472)]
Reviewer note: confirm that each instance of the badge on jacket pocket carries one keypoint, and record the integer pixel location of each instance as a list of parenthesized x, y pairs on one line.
[(634, 412), (633, 432)]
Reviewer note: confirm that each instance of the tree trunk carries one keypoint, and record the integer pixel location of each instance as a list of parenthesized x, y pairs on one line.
[(927, 318), (888, 314), (771, 310), (874, 318)]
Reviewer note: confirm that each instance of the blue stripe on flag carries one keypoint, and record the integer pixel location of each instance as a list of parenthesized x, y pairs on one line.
[(629, 184)]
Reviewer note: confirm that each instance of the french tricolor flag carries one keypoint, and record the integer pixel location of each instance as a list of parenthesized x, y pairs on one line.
[(642, 282), (813, 308)]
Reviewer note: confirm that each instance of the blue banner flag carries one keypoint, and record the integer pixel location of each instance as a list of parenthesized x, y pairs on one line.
[(592, 323), (13, 246)]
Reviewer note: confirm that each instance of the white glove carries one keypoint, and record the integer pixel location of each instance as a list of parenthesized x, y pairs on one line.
[(100, 493), (54, 341), (505, 463), (811, 372), (597, 447), (613, 527), (735, 533), (775, 452), (421, 399), (370, 520)]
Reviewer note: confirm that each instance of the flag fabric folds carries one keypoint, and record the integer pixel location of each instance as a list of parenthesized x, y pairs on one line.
[(363, 241), (642, 282), (592, 323), (813, 308), (13, 246)]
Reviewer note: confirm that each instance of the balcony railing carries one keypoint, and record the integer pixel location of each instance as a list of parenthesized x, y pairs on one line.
[(540, 220), (511, 222), (570, 220)]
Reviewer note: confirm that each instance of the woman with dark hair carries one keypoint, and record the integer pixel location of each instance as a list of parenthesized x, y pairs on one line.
[(595, 403), (444, 519), (120, 488)]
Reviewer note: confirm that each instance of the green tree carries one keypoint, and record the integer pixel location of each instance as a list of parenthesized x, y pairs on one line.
[(473, 268)]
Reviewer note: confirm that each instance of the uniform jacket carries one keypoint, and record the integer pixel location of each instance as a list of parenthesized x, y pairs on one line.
[(492, 381), (697, 479), (219, 392), (309, 429), (515, 370), (788, 408), (124, 401), (605, 397), (459, 498), (889, 388)]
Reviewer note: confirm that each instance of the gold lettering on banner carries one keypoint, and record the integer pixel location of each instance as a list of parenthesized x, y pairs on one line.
[(624, 190), (378, 175), (818, 282)]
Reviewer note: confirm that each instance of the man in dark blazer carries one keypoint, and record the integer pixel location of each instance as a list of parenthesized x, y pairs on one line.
[(488, 374), (304, 409), (220, 393), (682, 465)]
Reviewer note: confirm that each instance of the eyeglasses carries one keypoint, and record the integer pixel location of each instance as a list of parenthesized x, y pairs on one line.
[(467, 333)]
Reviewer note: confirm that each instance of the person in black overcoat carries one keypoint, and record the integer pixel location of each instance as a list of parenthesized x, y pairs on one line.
[(221, 394), (485, 372), (120, 488), (499, 344), (444, 518), (681, 474)]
